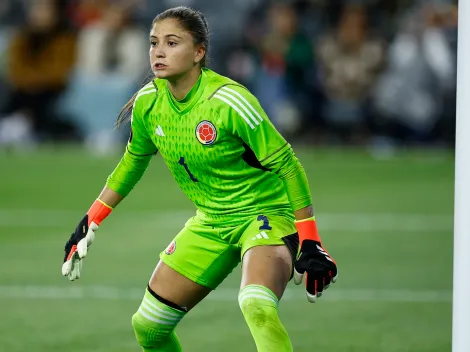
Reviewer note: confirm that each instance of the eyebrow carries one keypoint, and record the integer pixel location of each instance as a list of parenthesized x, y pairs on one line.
[(168, 35)]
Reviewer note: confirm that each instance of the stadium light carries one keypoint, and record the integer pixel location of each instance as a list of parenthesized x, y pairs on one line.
[(461, 286)]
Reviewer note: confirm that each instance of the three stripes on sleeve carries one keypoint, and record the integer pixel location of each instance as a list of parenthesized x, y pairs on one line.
[(241, 105)]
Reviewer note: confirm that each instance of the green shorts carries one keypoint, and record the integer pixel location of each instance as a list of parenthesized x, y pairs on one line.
[(207, 254)]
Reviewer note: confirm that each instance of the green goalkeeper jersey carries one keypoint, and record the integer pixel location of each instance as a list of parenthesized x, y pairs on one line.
[(220, 147)]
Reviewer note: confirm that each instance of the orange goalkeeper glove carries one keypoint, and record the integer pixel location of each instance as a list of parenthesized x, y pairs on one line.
[(313, 261), (76, 247)]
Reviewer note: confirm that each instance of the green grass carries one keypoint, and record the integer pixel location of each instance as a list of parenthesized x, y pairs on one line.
[(388, 223)]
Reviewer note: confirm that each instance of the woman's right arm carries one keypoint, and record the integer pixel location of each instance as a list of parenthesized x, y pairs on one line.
[(110, 197), (139, 151), (124, 177)]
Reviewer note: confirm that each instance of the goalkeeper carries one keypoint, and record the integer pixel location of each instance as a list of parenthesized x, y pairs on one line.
[(251, 193)]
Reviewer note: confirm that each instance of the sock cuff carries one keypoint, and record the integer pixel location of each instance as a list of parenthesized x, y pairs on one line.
[(257, 292), (158, 312), (165, 301)]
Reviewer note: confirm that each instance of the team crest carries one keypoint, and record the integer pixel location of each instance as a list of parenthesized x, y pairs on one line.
[(171, 248), (206, 133)]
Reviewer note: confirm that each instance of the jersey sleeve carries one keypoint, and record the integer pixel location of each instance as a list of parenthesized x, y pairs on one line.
[(136, 158), (244, 117), (139, 143)]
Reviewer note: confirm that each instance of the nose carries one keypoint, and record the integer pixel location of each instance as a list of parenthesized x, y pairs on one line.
[(158, 52)]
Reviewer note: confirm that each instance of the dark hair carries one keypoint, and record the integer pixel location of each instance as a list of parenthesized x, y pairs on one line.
[(192, 21)]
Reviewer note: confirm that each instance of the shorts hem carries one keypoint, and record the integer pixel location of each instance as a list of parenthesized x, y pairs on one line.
[(188, 275), (279, 243)]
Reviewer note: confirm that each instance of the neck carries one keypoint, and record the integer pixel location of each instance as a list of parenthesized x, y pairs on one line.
[(181, 86)]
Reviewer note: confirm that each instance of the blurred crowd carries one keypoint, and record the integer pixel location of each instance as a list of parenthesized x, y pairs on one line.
[(364, 72)]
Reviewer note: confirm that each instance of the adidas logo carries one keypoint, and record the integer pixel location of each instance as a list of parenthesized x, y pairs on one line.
[(159, 131), (261, 235)]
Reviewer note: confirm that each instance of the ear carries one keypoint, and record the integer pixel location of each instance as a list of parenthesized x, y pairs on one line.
[(199, 54)]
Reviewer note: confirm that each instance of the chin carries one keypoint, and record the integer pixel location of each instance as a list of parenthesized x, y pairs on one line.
[(160, 74), (168, 74)]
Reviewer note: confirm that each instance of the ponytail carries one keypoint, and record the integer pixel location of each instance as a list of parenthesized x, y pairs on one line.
[(125, 114)]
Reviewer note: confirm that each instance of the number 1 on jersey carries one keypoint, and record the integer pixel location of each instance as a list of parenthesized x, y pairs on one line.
[(191, 176)]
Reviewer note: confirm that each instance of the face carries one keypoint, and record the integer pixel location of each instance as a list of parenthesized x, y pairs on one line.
[(172, 50)]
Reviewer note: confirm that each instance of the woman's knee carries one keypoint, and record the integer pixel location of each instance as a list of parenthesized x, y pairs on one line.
[(258, 304)]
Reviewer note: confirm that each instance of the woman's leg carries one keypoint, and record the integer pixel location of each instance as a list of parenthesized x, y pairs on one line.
[(169, 296), (194, 263), (266, 272)]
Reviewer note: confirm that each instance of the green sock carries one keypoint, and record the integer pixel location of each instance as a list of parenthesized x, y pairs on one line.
[(259, 307), (154, 325)]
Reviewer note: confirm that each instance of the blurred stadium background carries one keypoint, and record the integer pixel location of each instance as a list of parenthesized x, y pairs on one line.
[(365, 90)]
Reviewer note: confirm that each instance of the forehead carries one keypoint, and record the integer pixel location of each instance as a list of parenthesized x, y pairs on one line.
[(166, 27)]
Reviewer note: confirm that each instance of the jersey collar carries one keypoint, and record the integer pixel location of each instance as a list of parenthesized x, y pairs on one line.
[(184, 105)]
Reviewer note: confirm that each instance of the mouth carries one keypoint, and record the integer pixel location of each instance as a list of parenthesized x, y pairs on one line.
[(158, 66)]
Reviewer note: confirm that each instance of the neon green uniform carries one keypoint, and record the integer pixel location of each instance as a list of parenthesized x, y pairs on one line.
[(229, 160)]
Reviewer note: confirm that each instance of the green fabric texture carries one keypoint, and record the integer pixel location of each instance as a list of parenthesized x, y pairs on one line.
[(207, 255), (220, 146), (259, 307), (127, 173), (154, 325)]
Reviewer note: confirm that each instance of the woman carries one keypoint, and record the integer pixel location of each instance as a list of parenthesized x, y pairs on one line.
[(251, 193)]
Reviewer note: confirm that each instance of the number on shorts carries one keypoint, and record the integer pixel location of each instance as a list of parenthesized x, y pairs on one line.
[(191, 176), (265, 221)]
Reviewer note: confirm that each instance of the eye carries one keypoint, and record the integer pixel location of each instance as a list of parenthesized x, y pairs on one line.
[(172, 43), (153, 43)]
